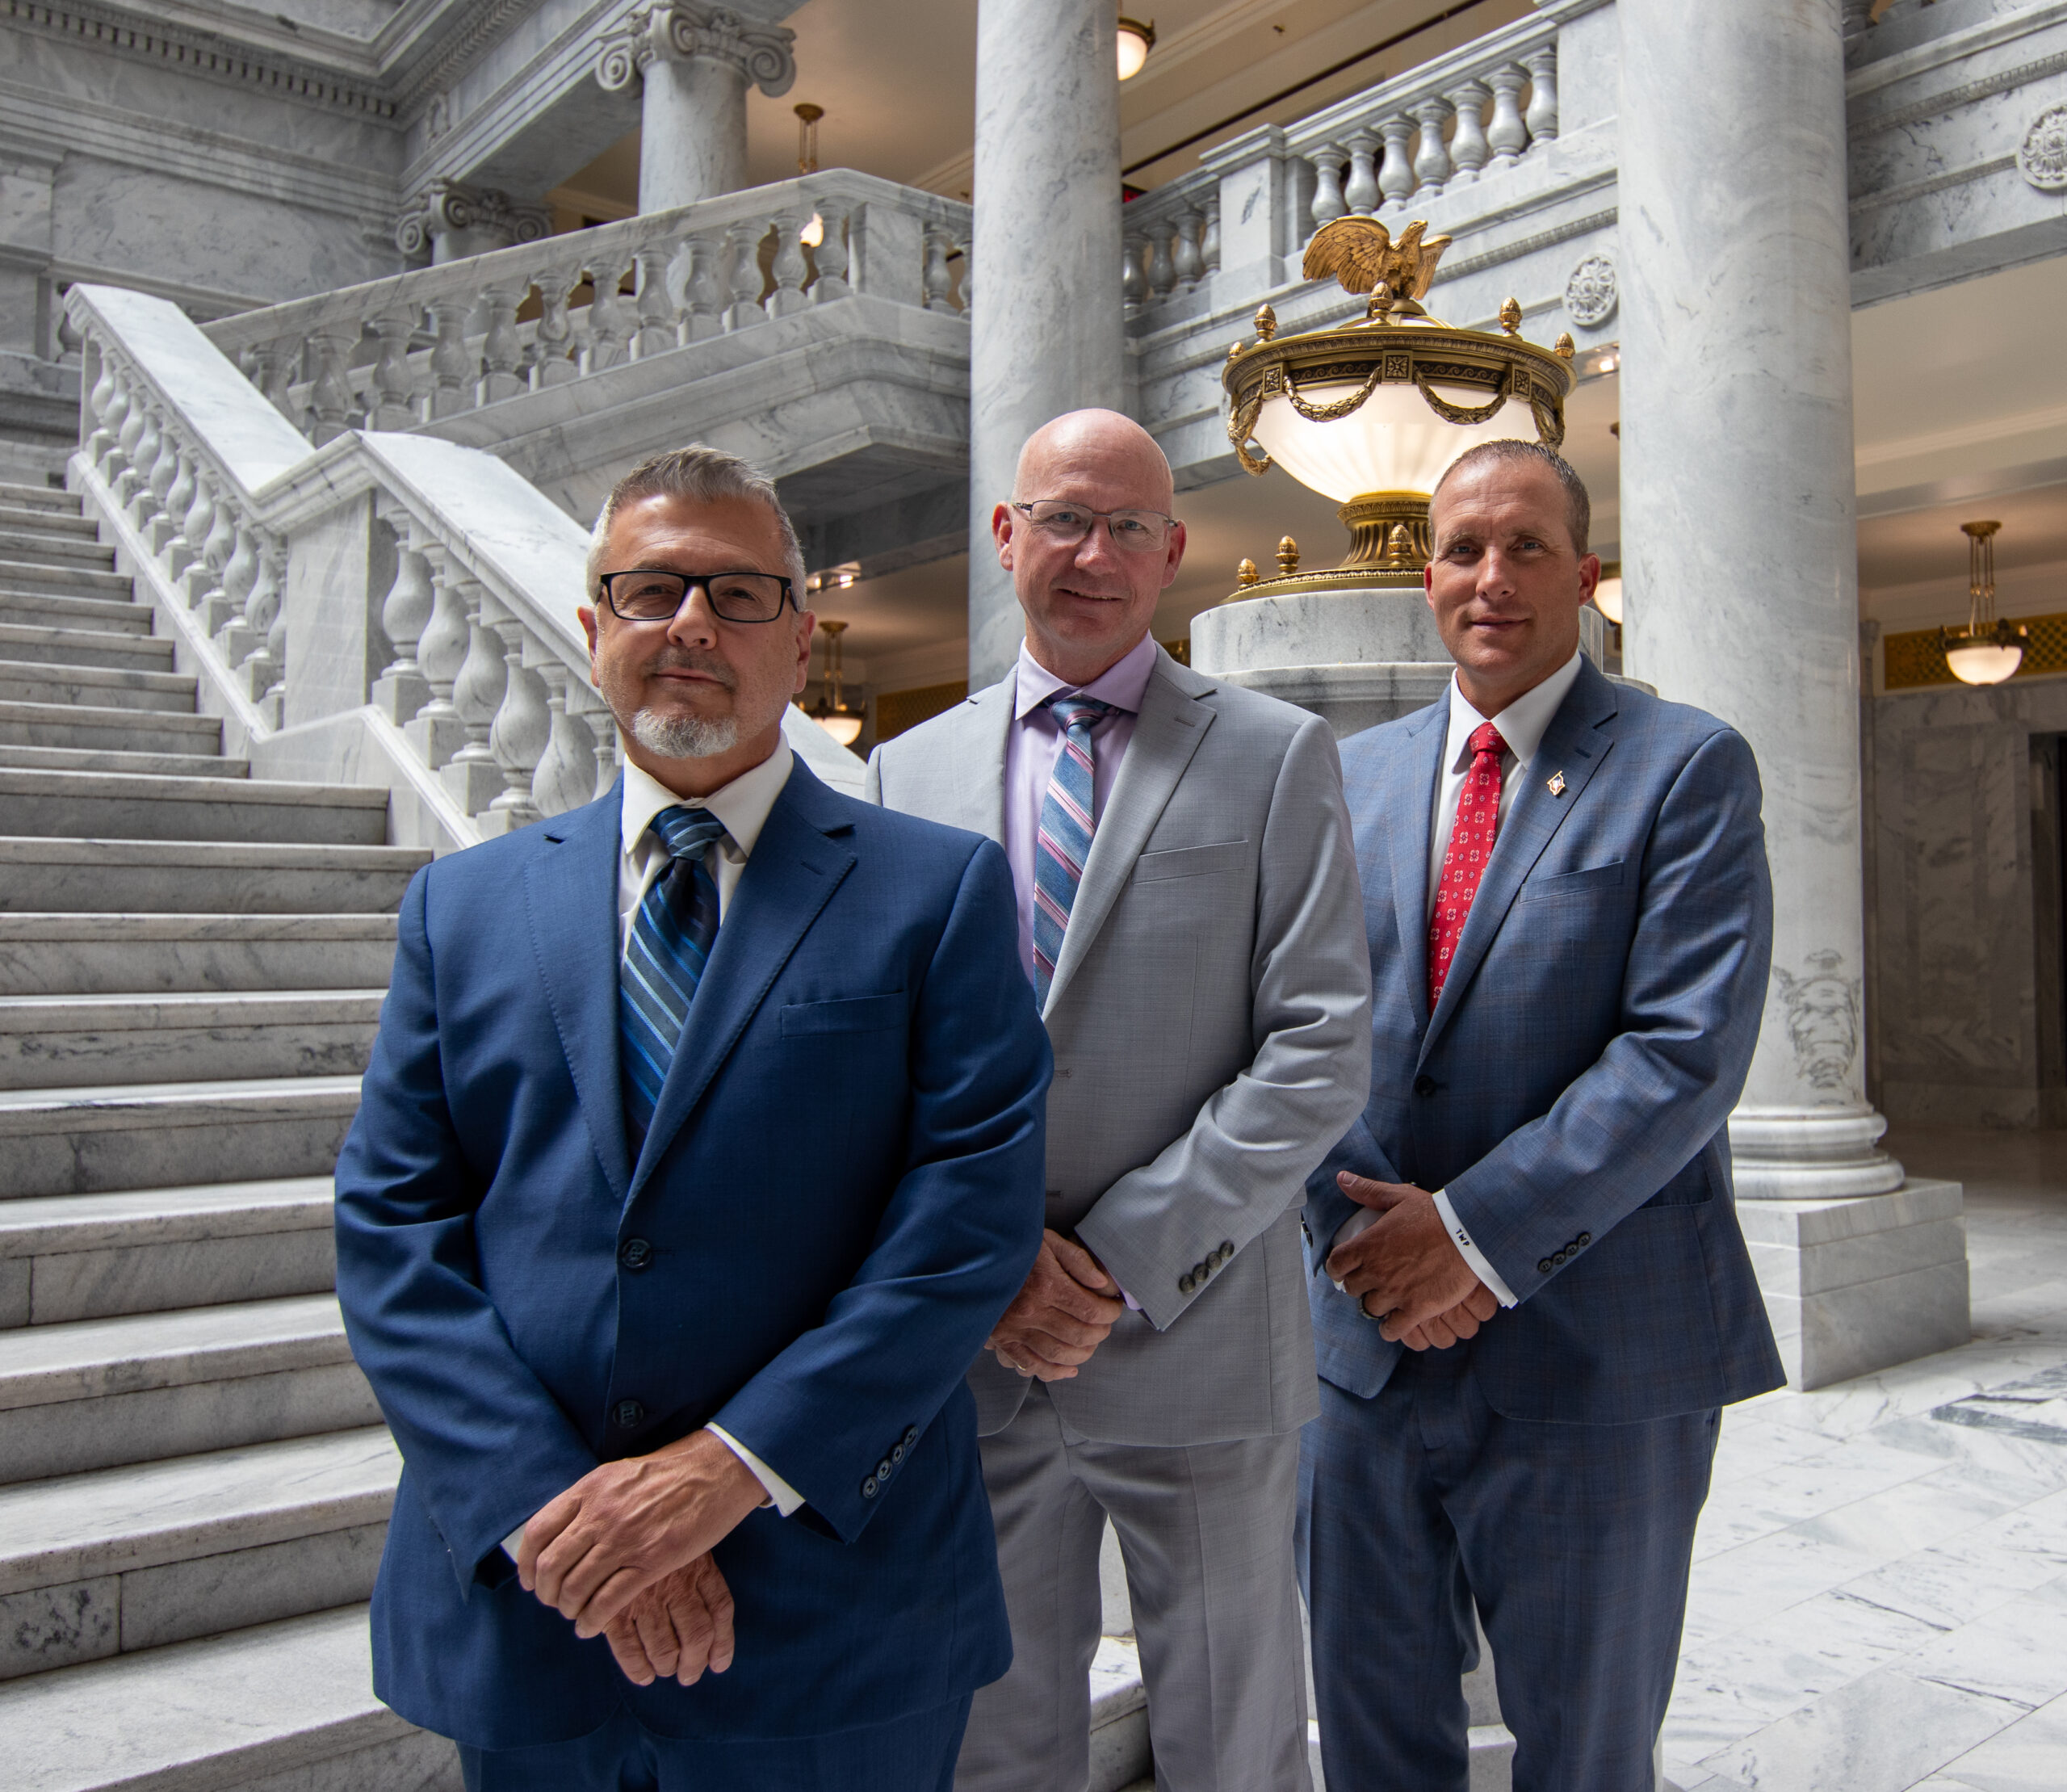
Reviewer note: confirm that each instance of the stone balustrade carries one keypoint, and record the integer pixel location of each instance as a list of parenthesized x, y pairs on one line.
[(1170, 239), (407, 351)]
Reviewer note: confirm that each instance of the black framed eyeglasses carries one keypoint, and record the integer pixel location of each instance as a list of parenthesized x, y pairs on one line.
[(652, 593), (1065, 524)]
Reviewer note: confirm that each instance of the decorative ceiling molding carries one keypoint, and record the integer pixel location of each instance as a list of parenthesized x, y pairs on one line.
[(452, 58)]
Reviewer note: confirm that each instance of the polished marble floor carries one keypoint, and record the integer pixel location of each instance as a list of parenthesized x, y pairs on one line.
[(1880, 1590)]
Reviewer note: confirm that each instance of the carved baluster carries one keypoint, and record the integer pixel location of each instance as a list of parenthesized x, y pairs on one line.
[(1432, 160), (158, 475), (184, 549), (655, 334), (502, 349), (1133, 273), (1162, 268), (1208, 247), (139, 458), (743, 275), (1189, 263), (402, 689), (452, 371), (939, 283), (331, 392), (965, 290), (435, 730), (206, 532), (178, 500), (586, 706), (521, 730), (830, 257), (1542, 116), (1360, 193), (394, 385), (610, 325), (236, 638), (472, 774), (262, 617), (788, 268), (1468, 145), (552, 343), (107, 456), (100, 403), (703, 294), (275, 366), (1508, 133), (565, 776), (203, 584), (1396, 175), (1329, 204)]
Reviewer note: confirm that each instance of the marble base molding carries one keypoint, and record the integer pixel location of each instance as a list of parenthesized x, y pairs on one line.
[(1858, 1284)]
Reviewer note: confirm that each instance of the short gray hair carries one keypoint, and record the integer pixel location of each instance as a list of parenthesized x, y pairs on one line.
[(704, 476), (1579, 507)]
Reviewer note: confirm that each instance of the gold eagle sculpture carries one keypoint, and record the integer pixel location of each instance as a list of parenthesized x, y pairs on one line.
[(1366, 257)]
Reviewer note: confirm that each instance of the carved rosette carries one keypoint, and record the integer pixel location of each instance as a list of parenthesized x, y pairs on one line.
[(684, 30), (1591, 293), (446, 207), (2042, 157)]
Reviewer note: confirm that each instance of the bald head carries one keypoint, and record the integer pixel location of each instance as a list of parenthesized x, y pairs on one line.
[(1095, 444)]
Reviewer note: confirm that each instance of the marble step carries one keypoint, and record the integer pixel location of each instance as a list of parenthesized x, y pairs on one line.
[(33, 725), (52, 498), (122, 1560), (36, 577), (72, 1257), (281, 1707), (111, 806), (81, 1042), (120, 611), (149, 765), (99, 687), (44, 520), (202, 877), (28, 643), (92, 1141), (101, 1392), (128, 954), (37, 546)]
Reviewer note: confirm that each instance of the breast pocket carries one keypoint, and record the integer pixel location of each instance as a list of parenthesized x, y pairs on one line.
[(848, 1014), (1590, 881), (1225, 855)]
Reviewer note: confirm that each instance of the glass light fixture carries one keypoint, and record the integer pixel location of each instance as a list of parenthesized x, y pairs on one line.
[(1136, 40), (1608, 595), (807, 117), (831, 711), (1372, 414), (1988, 650)]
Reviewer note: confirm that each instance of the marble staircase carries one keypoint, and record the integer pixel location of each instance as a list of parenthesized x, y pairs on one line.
[(194, 1478)]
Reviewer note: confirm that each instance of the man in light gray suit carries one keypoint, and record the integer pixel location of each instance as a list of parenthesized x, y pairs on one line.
[(1189, 917)]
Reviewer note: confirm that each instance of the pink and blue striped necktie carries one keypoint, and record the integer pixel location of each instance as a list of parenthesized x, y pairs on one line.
[(1064, 841), (664, 960)]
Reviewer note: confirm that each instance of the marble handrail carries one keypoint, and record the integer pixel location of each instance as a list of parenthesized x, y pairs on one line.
[(397, 353)]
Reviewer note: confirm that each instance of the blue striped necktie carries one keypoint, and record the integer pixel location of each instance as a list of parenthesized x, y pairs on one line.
[(671, 940), (1064, 843)]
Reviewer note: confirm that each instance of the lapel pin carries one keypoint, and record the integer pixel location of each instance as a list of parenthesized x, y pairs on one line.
[(1556, 783)]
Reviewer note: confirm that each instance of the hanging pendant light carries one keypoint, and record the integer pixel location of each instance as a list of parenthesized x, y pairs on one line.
[(831, 711), (1988, 650), (1136, 40), (807, 117)]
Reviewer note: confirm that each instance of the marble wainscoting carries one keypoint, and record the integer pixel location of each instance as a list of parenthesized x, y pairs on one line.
[(1879, 1588)]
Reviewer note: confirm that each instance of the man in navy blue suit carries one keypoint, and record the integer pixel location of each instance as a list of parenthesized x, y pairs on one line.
[(1570, 919), (700, 1151)]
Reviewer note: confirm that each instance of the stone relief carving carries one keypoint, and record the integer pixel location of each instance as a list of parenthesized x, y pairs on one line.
[(1591, 293), (2042, 157), (685, 29), (1823, 1011), (438, 116)]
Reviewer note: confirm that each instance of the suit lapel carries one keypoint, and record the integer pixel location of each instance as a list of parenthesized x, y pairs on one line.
[(570, 899), (1575, 743), (1410, 793), (1166, 733), (797, 863), (980, 760)]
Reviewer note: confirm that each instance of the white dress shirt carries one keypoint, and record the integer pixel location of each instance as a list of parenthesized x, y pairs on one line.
[(1522, 724), (743, 806)]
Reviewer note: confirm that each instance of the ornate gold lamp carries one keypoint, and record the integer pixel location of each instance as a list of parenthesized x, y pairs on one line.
[(1988, 649), (1371, 414)]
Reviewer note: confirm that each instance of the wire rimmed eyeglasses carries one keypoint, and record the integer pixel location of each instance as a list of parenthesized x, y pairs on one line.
[(1065, 524), (652, 593)]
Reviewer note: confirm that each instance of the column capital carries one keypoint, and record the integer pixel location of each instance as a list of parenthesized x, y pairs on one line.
[(481, 218), (680, 31)]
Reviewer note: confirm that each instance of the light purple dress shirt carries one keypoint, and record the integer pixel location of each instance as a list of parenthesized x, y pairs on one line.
[(1033, 743)]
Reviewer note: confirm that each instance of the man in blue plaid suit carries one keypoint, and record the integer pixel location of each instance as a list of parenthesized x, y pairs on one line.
[(1530, 1294)]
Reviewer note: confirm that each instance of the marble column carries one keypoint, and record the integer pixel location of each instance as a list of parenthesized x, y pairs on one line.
[(693, 64), (1739, 550), (1045, 336)]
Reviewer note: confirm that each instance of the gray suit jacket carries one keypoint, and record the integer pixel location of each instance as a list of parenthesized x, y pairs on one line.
[(1210, 1015)]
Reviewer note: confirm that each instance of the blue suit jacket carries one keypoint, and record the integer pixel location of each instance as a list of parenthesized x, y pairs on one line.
[(1572, 1088), (840, 1192)]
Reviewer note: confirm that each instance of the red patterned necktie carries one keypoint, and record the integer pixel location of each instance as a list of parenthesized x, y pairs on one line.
[(1463, 863)]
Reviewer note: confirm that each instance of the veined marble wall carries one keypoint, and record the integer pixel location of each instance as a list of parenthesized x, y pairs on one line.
[(1963, 870)]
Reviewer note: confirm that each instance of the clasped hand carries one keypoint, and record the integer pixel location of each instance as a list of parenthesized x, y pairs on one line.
[(1065, 1311), (625, 1554), (1404, 1270)]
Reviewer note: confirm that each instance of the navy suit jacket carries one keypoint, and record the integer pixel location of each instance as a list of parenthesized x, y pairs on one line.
[(840, 1194), (1572, 1088)]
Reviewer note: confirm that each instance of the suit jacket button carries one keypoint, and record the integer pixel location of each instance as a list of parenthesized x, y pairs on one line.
[(1560, 1258), (1184, 1284), (1226, 1248), (1424, 1084), (629, 1414), (911, 1435), (1585, 1240), (635, 1253), (897, 1453), (1544, 1265), (868, 1488), (882, 1470)]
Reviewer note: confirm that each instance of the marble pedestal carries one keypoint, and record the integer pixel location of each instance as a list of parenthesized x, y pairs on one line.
[(1858, 1284)]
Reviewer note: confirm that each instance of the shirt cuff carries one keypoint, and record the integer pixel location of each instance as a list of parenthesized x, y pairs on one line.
[(509, 1543), (1471, 1254), (785, 1497)]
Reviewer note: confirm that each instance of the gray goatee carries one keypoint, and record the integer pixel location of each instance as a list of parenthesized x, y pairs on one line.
[(685, 736)]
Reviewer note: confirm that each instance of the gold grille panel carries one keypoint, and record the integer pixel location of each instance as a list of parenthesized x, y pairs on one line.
[(1917, 657)]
